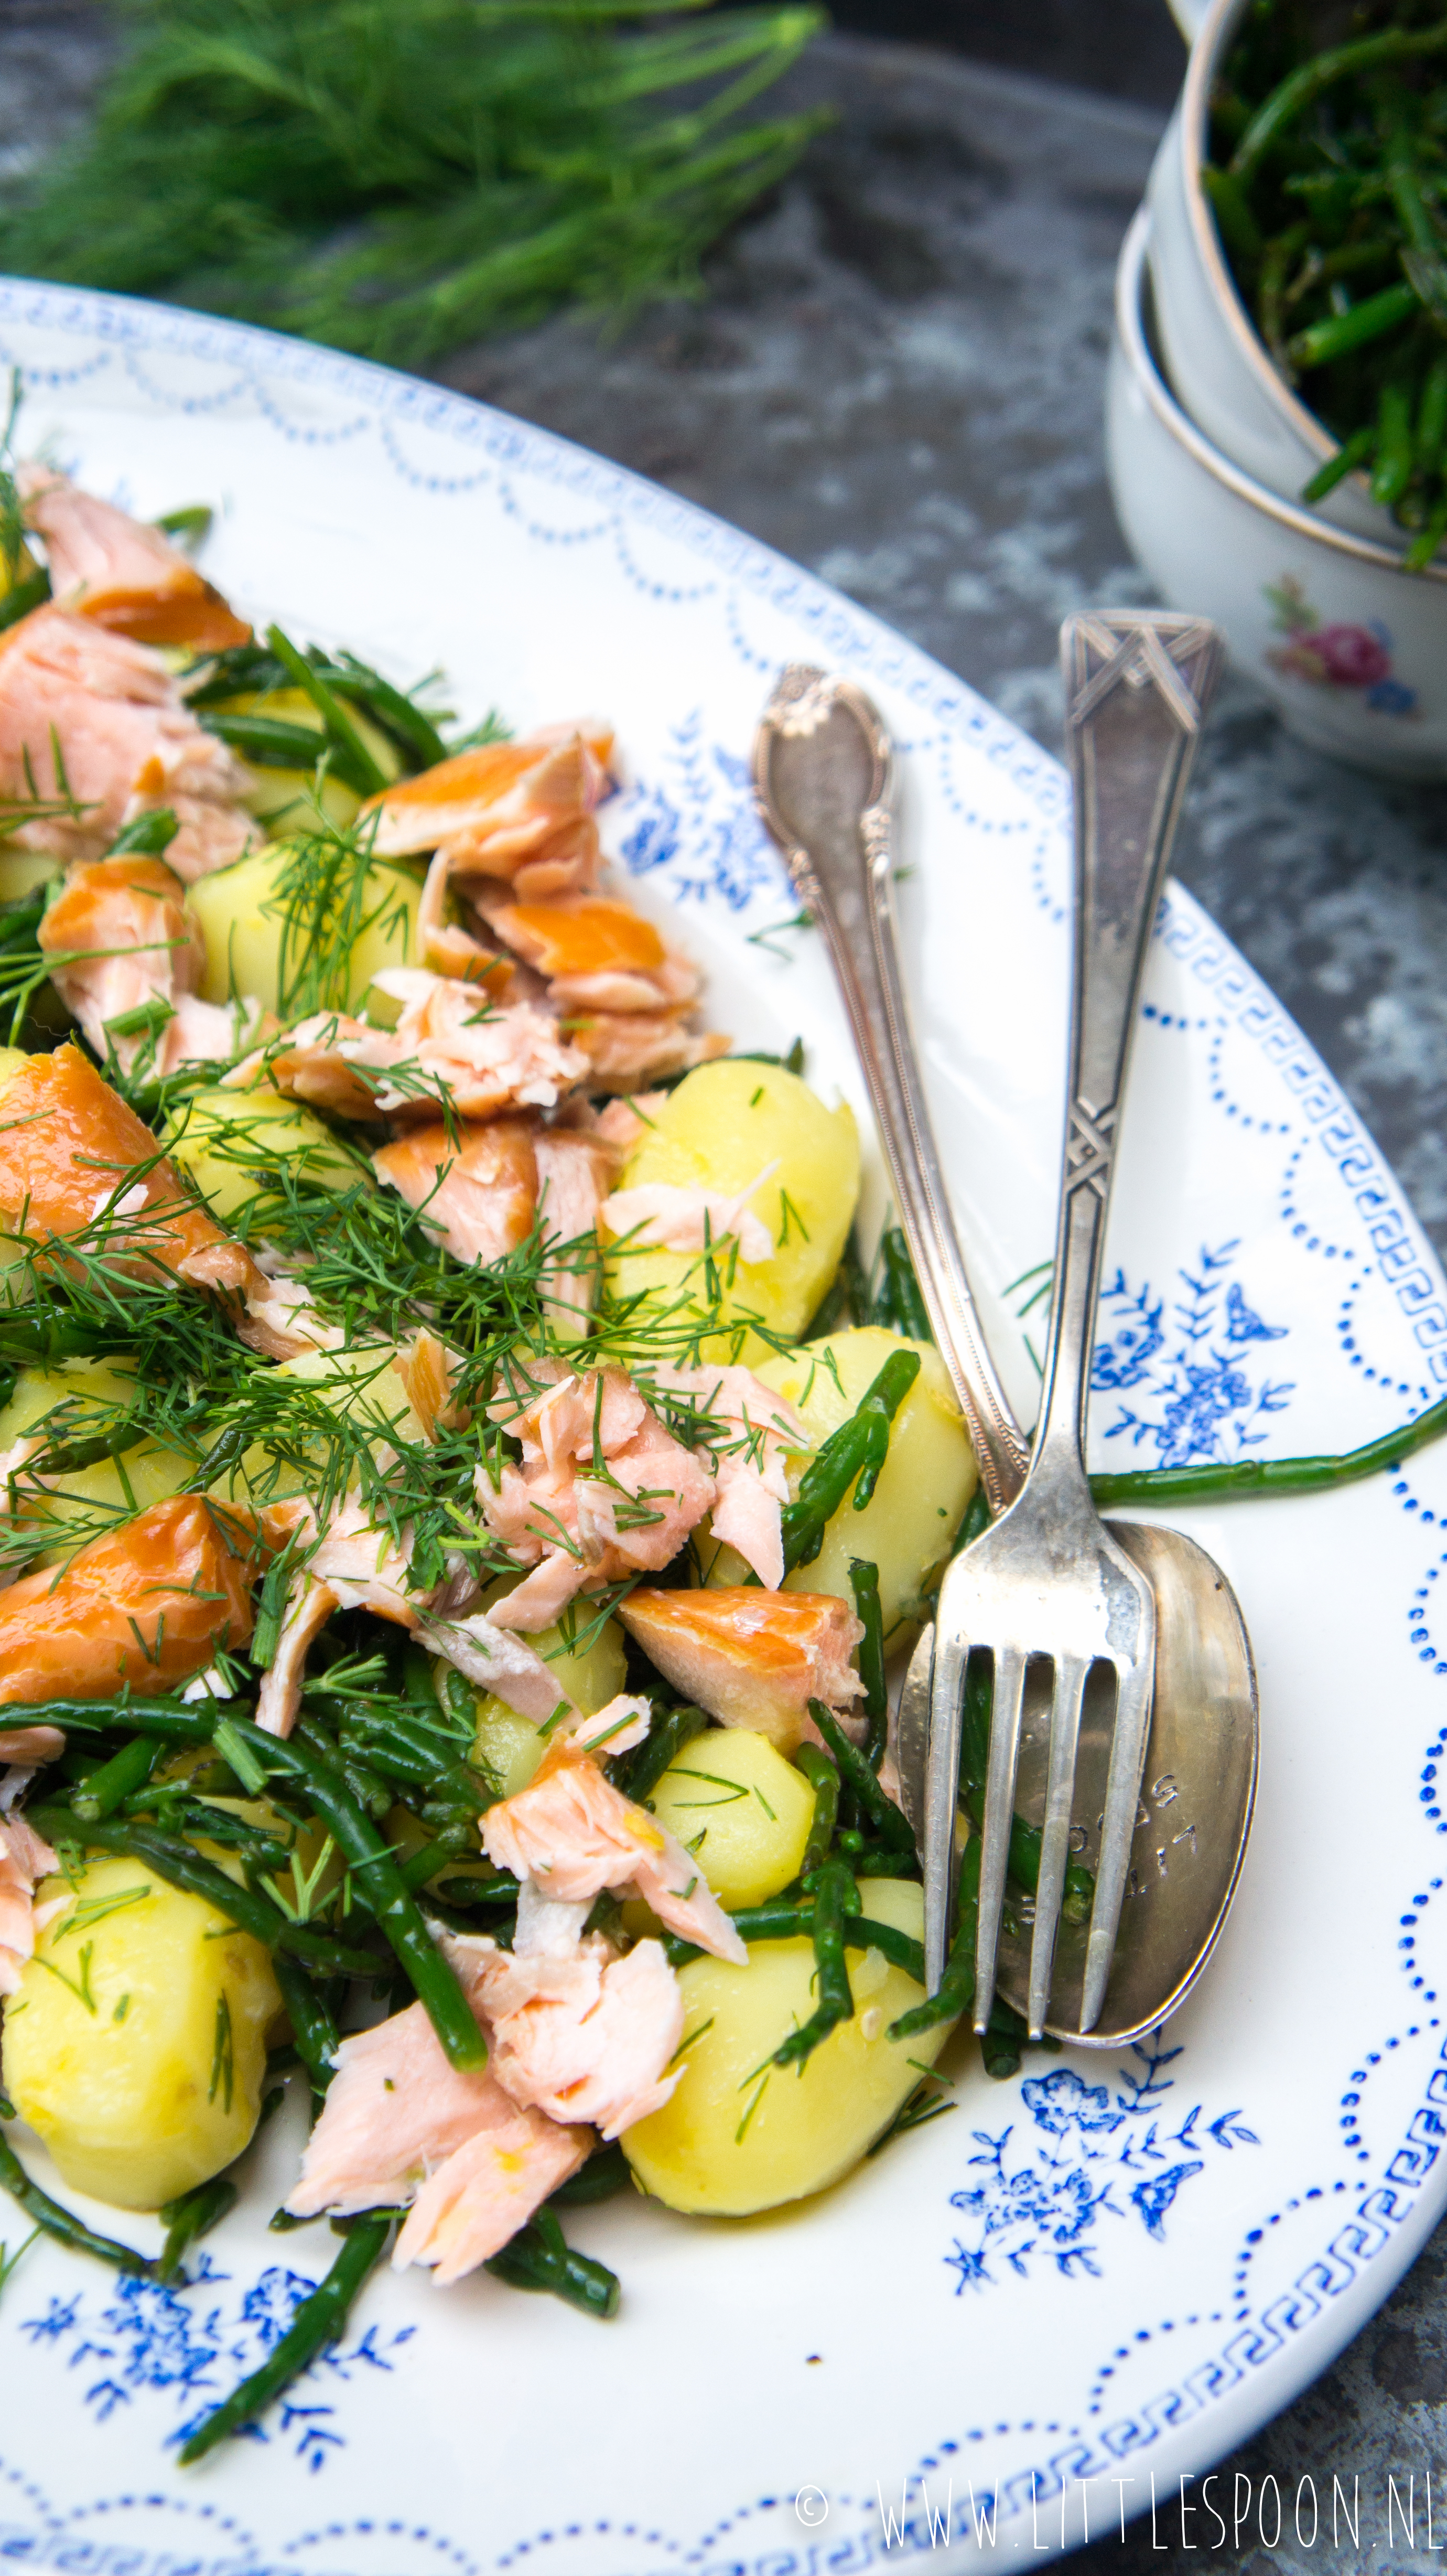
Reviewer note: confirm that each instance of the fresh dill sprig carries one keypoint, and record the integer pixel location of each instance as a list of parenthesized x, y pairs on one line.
[(330, 890), (398, 180)]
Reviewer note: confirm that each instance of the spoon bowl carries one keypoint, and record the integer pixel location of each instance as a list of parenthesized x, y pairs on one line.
[(1194, 1816)]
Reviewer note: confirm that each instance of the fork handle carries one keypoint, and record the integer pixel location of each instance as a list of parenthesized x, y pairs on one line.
[(845, 875), (1137, 685)]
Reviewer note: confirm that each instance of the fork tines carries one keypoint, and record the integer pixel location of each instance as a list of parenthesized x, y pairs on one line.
[(1005, 1597)]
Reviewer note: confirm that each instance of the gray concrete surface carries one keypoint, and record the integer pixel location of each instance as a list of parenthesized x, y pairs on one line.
[(897, 380)]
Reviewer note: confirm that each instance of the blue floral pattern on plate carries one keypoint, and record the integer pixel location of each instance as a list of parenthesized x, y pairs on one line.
[(1194, 1367), (1101, 2153)]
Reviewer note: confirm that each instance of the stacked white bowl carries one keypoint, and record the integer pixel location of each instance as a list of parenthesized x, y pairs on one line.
[(1208, 451)]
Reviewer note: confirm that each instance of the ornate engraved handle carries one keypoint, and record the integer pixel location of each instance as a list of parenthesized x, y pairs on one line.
[(1137, 684), (822, 763)]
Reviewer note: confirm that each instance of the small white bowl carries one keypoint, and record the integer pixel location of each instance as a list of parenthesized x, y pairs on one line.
[(1351, 649), (1214, 355)]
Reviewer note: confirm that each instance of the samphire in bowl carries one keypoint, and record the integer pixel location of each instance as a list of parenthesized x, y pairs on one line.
[(1351, 649), (1214, 355)]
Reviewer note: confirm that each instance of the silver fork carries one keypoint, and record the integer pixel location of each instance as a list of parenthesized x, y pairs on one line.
[(822, 767), (1047, 1580)]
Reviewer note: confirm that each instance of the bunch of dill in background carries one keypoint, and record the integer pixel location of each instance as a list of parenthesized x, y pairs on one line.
[(398, 176)]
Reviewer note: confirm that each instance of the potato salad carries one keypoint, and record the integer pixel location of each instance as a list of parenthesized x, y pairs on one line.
[(460, 1489)]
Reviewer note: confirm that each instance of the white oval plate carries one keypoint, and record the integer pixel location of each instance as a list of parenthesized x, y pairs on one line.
[(1108, 2270)]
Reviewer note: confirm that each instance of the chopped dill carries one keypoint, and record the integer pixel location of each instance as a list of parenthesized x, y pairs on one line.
[(223, 2055), (89, 1910)]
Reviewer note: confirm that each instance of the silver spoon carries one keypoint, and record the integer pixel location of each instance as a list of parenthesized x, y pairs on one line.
[(822, 764)]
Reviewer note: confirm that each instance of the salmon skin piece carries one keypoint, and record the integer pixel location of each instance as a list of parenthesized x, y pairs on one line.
[(146, 1606), (125, 575), (96, 723), (751, 1658), (69, 1147)]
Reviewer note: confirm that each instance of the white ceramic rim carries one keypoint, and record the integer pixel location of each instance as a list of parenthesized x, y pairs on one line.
[(1129, 288), (1216, 28)]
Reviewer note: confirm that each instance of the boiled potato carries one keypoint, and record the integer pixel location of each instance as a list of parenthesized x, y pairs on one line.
[(740, 1809), (81, 1398), (241, 920), (88, 1392), (739, 2136), (909, 1525), (289, 795), (136, 2046), (87, 1499), (717, 1131), (509, 1748), (225, 1139), (21, 871)]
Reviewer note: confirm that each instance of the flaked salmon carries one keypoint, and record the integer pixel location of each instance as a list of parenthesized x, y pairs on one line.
[(484, 1185), (24, 1861), (751, 1658), (691, 1220), (476, 2202), (595, 954), (477, 1187), (144, 1606), (501, 1663), (394, 2111), (349, 1564), (576, 1169), (425, 1368), (500, 801), (121, 572), (120, 942), (572, 1834), (603, 1490), (95, 725), (624, 1121), (450, 1042), (746, 1431), (77, 1165), (30, 1745), (400, 2124), (579, 2034), (626, 1050), (517, 812), (75, 1161)]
